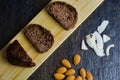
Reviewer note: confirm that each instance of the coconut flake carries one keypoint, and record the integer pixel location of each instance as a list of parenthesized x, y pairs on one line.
[(90, 39), (96, 41), (108, 49), (99, 52), (99, 41), (84, 47), (102, 27), (105, 38)]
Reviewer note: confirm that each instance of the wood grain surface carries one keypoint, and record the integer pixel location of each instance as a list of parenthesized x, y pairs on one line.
[(14, 15)]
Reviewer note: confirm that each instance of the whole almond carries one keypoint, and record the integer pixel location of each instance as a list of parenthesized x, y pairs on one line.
[(76, 59), (82, 72), (66, 63), (61, 70), (71, 77), (70, 72), (59, 76), (89, 76), (78, 78)]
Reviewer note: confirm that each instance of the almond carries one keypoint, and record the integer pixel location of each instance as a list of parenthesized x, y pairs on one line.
[(71, 77), (78, 78), (70, 72), (59, 76), (76, 59), (61, 70), (66, 63), (82, 72), (89, 76)]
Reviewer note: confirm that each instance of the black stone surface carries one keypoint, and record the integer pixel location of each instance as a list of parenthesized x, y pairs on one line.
[(15, 14)]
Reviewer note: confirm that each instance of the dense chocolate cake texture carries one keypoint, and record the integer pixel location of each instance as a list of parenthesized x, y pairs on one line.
[(40, 37), (63, 13), (16, 55)]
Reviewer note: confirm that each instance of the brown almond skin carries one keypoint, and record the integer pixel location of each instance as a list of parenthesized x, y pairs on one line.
[(71, 77), (82, 72), (59, 76), (76, 59), (78, 78), (89, 76), (70, 72), (66, 63), (61, 70)]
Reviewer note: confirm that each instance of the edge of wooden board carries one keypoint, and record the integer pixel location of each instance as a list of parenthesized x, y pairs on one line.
[(24, 73)]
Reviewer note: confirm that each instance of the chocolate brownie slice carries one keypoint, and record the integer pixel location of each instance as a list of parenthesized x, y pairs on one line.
[(63, 13), (16, 55), (41, 38)]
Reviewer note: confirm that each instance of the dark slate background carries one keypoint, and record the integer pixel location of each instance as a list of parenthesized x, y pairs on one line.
[(15, 14)]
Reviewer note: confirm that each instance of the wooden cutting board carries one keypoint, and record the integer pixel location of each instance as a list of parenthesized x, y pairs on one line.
[(11, 72)]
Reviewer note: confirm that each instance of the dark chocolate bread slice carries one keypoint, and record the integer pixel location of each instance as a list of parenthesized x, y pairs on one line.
[(41, 38), (63, 13), (16, 55)]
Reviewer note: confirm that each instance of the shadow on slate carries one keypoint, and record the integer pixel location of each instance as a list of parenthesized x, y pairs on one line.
[(15, 14)]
